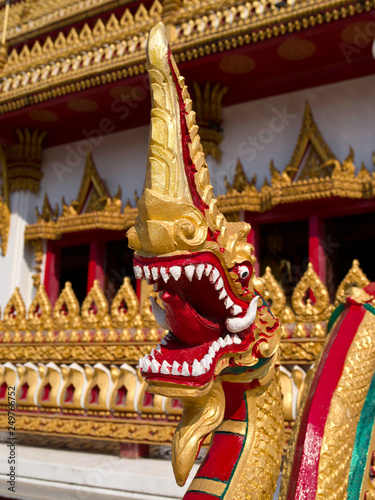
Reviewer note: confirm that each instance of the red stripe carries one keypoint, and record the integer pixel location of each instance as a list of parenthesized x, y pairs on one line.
[(197, 495), (235, 401), (223, 456), (304, 476)]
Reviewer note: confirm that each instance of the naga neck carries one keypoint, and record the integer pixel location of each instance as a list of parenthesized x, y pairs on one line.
[(245, 454)]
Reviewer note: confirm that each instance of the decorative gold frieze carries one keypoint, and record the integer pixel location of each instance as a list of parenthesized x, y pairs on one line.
[(73, 63), (313, 172), (23, 161), (207, 105), (40, 311), (93, 208)]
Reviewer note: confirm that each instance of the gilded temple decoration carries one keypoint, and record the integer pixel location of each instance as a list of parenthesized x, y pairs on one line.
[(69, 63), (40, 311), (4, 204), (125, 307), (15, 313), (354, 278), (23, 161), (310, 298), (313, 172), (95, 309), (93, 208), (207, 105), (66, 311)]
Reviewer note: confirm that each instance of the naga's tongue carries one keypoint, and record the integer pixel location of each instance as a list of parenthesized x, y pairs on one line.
[(184, 321)]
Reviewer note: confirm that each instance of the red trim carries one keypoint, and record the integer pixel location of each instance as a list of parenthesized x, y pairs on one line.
[(96, 264), (52, 272), (304, 476), (317, 255)]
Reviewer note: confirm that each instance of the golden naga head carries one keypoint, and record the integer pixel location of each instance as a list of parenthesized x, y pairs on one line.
[(201, 264)]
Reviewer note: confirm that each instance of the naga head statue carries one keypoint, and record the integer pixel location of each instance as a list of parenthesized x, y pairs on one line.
[(220, 328)]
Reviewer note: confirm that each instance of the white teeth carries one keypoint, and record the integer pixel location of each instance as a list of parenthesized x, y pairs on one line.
[(164, 274), (208, 359), (175, 272), (219, 284), (138, 273), (236, 339), (189, 271), (222, 294), (228, 340), (197, 369), (211, 351), (216, 346), (221, 342), (155, 273), (228, 303), (236, 310), (205, 364), (214, 275), (185, 369), (155, 366), (208, 270), (159, 313), (165, 368), (152, 353), (146, 270), (140, 364), (199, 270), (146, 364), (175, 368), (236, 325)]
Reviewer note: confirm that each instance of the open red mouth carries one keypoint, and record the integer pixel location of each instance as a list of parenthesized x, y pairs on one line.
[(205, 318)]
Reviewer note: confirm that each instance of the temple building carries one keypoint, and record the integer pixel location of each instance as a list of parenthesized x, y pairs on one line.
[(284, 95)]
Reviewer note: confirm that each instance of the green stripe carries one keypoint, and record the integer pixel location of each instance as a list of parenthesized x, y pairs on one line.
[(370, 308), (336, 313), (362, 443)]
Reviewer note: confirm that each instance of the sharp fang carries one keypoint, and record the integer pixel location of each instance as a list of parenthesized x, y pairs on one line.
[(211, 352), (228, 340), (165, 368), (175, 272), (228, 303), (155, 273), (146, 270), (216, 346), (221, 342), (164, 341), (199, 271), (155, 366), (208, 359), (152, 353), (236, 310), (189, 271), (185, 369), (214, 275), (219, 284), (208, 270), (236, 339), (175, 368), (222, 294), (164, 274), (158, 347), (197, 369), (159, 313), (138, 272), (205, 364), (236, 325), (146, 364)]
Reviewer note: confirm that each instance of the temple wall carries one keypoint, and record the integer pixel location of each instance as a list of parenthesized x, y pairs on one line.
[(344, 113)]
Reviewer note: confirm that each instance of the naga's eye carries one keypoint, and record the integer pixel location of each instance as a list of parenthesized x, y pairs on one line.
[(243, 272)]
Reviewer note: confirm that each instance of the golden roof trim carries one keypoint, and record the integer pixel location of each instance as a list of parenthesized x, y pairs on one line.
[(193, 39)]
